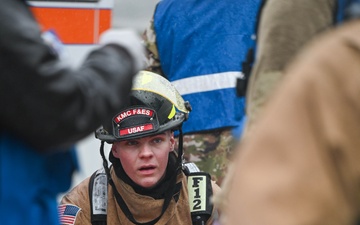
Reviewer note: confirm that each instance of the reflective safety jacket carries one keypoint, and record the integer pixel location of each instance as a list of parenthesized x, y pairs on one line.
[(201, 46)]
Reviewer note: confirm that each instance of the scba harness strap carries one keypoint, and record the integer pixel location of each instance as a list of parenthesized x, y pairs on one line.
[(98, 197), (199, 189)]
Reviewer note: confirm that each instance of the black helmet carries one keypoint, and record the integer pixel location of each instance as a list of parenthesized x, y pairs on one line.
[(155, 106)]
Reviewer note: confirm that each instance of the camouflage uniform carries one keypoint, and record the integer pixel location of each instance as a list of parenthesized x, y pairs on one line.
[(209, 150), (149, 37)]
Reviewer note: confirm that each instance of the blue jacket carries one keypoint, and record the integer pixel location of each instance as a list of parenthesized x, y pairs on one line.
[(31, 182), (201, 47)]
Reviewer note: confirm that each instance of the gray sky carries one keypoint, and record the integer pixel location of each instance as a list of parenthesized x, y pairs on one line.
[(133, 13)]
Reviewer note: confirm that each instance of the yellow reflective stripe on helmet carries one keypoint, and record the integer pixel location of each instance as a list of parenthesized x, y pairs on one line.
[(172, 112)]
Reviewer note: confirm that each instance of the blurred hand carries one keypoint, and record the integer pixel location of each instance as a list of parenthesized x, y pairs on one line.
[(129, 40)]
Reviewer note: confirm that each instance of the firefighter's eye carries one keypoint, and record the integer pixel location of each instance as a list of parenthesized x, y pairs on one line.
[(157, 140), (131, 143)]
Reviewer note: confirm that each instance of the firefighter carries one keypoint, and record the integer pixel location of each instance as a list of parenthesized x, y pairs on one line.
[(147, 182)]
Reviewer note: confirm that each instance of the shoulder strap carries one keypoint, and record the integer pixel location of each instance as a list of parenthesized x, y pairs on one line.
[(189, 168), (247, 64), (200, 191), (98, 195)]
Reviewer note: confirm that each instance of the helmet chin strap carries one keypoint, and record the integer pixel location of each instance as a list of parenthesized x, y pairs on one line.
[(169, 194), (105, 163), (180, 160)]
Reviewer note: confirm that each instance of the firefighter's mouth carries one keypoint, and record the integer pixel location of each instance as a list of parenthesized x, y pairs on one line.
[(146, 168)]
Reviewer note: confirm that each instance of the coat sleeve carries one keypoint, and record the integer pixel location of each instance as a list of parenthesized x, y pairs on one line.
[(46, 103)]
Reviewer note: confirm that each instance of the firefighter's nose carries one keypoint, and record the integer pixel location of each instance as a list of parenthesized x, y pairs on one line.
[(145, 151)]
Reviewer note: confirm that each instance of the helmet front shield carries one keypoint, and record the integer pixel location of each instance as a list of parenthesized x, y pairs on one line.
[(147, 81)]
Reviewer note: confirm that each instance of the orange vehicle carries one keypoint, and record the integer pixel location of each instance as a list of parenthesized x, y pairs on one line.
[(78, 24)]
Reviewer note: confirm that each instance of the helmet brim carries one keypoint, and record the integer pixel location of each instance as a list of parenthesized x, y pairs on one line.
[(173, 125)]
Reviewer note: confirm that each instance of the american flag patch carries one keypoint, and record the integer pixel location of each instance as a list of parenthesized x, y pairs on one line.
[(67, 214)]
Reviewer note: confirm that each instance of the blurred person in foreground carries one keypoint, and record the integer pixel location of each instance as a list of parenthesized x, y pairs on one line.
[(148, 183), (201, 55), (278, 40), (300, 165), (47, 107)]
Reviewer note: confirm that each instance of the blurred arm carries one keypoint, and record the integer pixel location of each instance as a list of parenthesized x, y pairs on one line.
[(44, 102)]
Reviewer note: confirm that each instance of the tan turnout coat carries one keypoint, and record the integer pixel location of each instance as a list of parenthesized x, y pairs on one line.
[(143, 208)]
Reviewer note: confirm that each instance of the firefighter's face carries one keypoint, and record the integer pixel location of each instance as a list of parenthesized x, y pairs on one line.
[(145, 159)]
